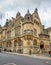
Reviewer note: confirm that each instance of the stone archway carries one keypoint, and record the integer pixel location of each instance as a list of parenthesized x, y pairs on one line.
[(30, 52), (41, 45), (7, 44), (20, 42), (42, 49), (0, 44), (34, 42), (10, 44), (15, 44), (35, 48), (20, 45)]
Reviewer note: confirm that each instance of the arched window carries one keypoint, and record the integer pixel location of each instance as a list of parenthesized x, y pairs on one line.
[(15, 43), (17, 31), (0, 44), (34, 42), (20, 43), (9, 43)]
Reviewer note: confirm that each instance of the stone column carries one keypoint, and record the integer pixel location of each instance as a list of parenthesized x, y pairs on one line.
[(25, 48)]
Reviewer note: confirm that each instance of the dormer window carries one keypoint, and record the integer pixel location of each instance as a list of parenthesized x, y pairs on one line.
[(28, 17)]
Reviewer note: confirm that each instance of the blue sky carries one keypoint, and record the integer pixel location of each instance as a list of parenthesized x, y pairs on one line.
[(9, 8)]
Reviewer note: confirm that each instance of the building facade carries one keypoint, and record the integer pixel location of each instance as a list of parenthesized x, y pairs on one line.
[(25, 34)]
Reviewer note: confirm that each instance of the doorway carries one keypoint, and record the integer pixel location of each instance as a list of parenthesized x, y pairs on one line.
[(41, 46)]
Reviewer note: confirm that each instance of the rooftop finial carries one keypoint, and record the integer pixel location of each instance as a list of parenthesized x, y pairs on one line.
[(36, 9), (28, 11), (18, 14)]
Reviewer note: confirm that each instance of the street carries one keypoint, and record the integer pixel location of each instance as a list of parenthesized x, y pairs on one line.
[(10, 59)]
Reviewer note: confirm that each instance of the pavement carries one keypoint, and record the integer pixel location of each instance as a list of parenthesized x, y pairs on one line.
[(40, 56), (8, 58)]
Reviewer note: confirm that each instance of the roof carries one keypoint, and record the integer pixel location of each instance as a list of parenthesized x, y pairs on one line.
[(44, 34), (48, 29), (28, 13)]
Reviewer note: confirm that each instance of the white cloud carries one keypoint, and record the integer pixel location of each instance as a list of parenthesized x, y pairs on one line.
[(13, 6), (45, 16)]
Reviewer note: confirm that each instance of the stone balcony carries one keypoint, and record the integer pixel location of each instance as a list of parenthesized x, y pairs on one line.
[(28, 32)]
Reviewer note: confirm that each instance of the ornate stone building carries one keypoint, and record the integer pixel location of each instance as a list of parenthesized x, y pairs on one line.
[(25, 34)]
